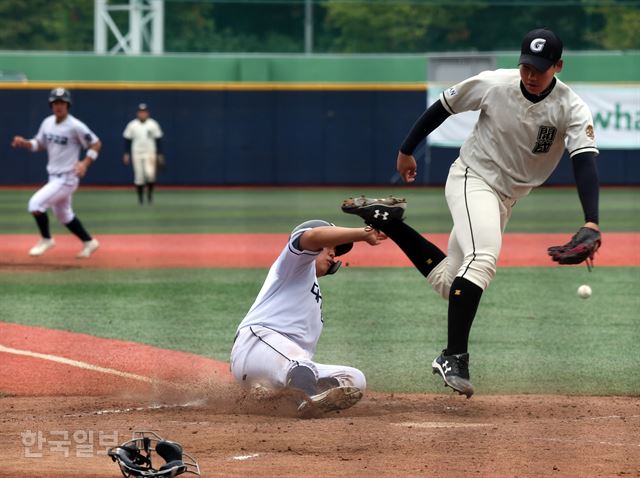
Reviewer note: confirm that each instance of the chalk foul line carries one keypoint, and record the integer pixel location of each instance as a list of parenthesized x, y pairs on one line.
[(195, 403), (442, 425), (85, 366), (580, 442)]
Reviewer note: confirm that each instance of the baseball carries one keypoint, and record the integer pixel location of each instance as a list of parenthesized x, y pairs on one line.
[(584, 291)]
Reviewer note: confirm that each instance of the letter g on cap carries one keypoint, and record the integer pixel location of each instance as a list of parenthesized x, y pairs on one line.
[(537, 45)]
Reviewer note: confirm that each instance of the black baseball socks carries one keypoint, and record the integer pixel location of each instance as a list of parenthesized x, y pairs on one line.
[(76, 227), (464, 299), (423, 254), (42, 220)]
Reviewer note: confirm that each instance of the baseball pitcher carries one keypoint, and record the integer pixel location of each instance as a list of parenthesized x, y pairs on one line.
[(527, 119)]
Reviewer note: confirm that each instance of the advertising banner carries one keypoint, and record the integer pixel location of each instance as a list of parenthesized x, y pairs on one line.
[(615, 110)]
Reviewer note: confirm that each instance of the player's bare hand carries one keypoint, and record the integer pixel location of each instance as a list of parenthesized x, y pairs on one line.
[(81, 169), (125, 159), (373, 236), (20, 142), (407, 167)]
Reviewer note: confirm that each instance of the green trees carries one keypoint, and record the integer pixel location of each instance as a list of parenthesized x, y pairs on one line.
[(46, 25), (621, 26), (340, 26), (467, 25), (400, 27)]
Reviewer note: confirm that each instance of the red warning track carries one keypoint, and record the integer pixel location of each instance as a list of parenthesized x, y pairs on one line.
[(259, 250), (38, 361)]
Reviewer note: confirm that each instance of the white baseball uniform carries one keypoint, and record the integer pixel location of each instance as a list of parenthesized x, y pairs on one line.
[(282, 328), (63, 141), (143, 135), (515, 146)]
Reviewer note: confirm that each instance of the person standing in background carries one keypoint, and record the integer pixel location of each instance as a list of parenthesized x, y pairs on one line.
[(143, 148)]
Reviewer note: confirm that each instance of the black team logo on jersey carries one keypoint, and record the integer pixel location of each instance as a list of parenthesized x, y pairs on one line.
[(546, 135), (315, 290), (54, 138)]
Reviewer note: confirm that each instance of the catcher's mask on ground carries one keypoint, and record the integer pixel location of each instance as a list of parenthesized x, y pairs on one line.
[(60, 94), (340, 248), (134, 457)]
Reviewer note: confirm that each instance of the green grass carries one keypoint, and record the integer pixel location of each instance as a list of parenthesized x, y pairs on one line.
[(271, 210), (532, 333)]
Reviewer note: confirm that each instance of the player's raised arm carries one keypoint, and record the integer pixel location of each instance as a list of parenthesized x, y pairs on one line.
[(331, 236)]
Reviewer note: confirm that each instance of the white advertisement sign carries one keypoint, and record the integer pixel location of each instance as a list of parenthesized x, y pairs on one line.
[(615, 110)]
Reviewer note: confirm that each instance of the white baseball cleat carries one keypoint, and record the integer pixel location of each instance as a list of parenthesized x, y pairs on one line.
[(41, 247), (337, 398), (88, 249)]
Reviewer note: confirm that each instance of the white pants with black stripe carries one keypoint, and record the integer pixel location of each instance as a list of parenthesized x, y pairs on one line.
[(264, 356), (480, 215)]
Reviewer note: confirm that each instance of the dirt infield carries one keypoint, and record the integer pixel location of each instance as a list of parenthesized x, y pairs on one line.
[(259, 250), (384, 435), (70, 403), (65, 398)]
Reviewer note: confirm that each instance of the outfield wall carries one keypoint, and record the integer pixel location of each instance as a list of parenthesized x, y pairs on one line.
[(597, 66), (228, 136), (255, 134), (271, 119)]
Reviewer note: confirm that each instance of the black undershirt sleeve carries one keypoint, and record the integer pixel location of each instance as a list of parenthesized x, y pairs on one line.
[(159, 145), (433, 117), (127, 146), (586, 174)]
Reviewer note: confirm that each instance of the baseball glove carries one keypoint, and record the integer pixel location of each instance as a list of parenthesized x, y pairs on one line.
[(582, 247), (161, 162)]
